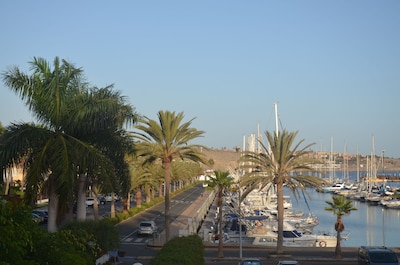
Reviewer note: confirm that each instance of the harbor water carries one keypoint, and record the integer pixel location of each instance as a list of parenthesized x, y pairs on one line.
[(371, 225)]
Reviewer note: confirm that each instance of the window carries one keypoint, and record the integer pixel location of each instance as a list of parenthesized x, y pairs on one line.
[(383, 257)]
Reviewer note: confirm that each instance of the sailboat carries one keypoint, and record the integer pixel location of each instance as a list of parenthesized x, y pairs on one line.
[(373, 194)]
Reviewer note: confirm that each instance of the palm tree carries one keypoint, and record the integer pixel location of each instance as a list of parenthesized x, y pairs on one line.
[(45, 148), (97, 117), (143, 176), (52, 151), (339, 206), (222, 181), (164, 141), (282, 164), (184, 172)]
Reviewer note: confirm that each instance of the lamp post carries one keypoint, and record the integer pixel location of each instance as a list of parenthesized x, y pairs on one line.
[(383, 226), (240, 225), (237, 175)]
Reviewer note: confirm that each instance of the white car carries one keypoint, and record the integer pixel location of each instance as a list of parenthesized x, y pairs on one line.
[(109, 198), (147, 228), (89, 201)]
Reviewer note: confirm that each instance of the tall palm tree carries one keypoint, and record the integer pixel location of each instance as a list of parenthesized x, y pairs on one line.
[(52, 151), (45, 148), (339, 206), (142, 176), (222, 181), (97, 117), (184, 171), (164, 141), (281, 164)]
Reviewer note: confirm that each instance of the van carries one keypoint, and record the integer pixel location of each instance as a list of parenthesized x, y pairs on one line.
[(376, 255)]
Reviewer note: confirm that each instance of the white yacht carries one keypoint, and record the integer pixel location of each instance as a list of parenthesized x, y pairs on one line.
[(266, 235)]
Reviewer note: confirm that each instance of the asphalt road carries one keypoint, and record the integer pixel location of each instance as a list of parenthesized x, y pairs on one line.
[(136, 249), (135, 246)]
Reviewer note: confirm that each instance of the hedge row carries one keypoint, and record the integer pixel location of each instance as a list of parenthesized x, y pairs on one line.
[(181, 251)]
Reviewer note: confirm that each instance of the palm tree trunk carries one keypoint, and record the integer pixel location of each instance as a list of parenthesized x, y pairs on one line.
[(125, 205), (220, 238), (8, 180), (339, 227), (81, 198), (138, 197), (148, 193), (52, 207), (279, 189), (95, 204), (338, 249), (112, 210), (167, 199)]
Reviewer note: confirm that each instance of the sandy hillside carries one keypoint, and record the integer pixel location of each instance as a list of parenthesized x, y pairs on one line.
[(225, 159)]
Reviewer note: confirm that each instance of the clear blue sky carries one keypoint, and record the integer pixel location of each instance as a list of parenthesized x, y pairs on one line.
[(332, 66)]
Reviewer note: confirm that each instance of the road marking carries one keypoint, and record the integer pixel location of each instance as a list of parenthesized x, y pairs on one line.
[(135, 241), (181, 201), (138, 240)]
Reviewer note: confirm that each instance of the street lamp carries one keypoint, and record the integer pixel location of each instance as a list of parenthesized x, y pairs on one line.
[(240, 225), (383, 226)]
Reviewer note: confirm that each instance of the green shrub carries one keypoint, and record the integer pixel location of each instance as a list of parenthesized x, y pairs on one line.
[(63, 248), (181, 251), (17, 234), (102, 234), (23, 242)]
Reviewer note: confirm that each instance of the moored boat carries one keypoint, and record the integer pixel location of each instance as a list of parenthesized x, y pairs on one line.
[(266, 235)]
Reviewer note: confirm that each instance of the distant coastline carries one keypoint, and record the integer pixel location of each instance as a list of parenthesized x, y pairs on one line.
[(223, 159)]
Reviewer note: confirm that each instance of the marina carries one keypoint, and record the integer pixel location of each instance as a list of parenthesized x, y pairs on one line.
[(372, 224)]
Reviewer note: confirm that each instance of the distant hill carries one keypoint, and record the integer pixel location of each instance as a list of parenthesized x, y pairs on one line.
[(223, 159)]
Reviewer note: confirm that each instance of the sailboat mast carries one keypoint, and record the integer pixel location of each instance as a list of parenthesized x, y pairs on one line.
[(258, 139), (346, 175), (331, 163), (358, 167), (373, 159), (276, 119)]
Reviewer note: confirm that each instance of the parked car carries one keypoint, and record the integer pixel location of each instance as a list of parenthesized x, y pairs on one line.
[(250, 261), (147, 228), (288, 262), (36, 218), (102, 200), (43, 214), (376, 255), (109, 198), (89, 201)]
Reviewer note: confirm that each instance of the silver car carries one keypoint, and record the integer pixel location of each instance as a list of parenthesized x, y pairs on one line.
[(250, 261), (147, 228)]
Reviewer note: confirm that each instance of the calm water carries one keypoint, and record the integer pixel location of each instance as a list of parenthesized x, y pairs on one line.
[(369, 225)]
